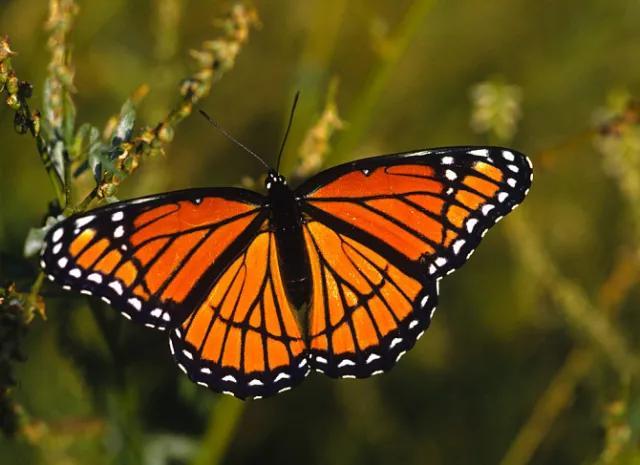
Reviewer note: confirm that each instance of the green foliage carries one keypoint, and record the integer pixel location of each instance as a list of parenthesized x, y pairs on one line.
[(533, 355)]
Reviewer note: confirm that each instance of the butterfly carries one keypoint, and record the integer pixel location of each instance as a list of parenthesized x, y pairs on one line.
[(339, 275)]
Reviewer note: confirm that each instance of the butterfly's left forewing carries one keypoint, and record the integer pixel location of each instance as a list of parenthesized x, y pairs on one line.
[(154, 258), (382, 231)]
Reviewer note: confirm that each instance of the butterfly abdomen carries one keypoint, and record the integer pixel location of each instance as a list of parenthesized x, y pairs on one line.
[(286, 221)]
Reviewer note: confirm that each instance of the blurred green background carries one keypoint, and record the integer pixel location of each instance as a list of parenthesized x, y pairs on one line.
[(532, 357)]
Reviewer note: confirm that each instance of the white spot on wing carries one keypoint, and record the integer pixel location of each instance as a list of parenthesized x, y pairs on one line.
[(417, 154), (117, 216), (116, 286), (345, 363), (447, 160), (230, 379), (450, 175), (372, 358), (457, 245), (63, 262), (95, 277), (280, 377), (80, 222), (507, 155), (135, 303), (119, 232), (479, 152), (57, 235), (76, 273), (256, 382), (187, 354), (56, 248), (512, 182), (395, 342), (441, 261), (502, 196), (205, 370), (471, 223), (487, 208)]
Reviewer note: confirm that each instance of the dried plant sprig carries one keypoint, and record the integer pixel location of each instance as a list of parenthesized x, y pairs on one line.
[(496, 109), (16, 94), (315, 145), (618, 140), (214, 59), (59, 84)]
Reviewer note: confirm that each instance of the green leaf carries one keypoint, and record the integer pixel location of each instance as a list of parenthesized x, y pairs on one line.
[(35, 237), (46, 105), (95, 150), (33, 242), (69, 119), (57, 158), (125, 124)]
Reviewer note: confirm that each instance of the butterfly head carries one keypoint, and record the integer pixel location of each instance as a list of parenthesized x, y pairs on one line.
[(274, 180)]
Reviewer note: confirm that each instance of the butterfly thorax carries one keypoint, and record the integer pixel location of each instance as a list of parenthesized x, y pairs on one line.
[(286, 222)]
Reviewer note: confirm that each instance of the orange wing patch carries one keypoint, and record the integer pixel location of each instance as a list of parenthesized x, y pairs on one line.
[(245, 338), (365, 312)]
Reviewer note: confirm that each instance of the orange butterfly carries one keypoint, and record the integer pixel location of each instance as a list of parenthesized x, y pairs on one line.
[(362, 246)]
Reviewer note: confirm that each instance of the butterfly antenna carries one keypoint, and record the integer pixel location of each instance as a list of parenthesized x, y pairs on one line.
[(233, 139), (286, 134)]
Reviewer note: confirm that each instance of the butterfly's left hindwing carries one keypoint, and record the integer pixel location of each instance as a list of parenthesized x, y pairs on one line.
[(154, 258), (244, 339)]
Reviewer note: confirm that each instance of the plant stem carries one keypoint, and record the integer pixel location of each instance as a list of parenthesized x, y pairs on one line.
[(223, 422), (359, 119)]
